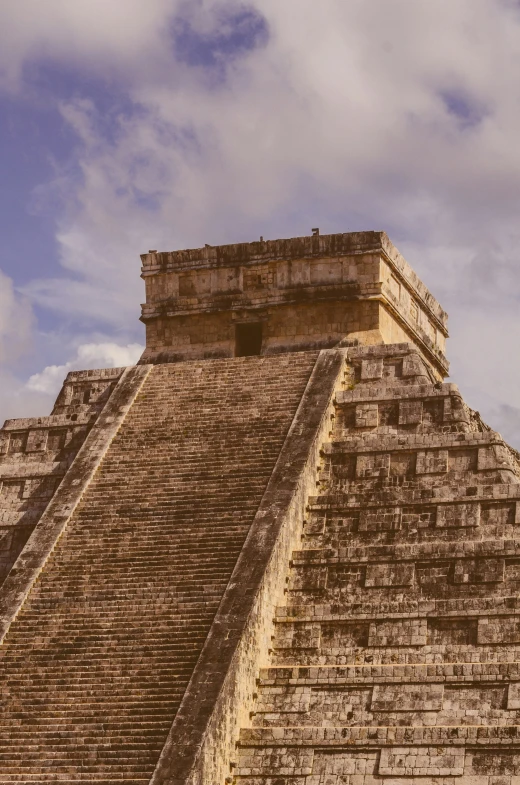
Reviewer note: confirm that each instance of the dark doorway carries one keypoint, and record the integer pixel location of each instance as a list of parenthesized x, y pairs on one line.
[(248, 339)]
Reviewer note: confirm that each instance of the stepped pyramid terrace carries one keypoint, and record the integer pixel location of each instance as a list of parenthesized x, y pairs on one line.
[(280, 550)]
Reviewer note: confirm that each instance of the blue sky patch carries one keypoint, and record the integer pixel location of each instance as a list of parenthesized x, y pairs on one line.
[(467, 113), (234, 34)]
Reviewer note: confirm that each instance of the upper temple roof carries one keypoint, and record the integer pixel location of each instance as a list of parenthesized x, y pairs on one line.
[(259, 251), (303, 292)]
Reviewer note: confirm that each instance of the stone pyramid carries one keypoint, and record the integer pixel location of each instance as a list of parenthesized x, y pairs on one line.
[(280, 550)]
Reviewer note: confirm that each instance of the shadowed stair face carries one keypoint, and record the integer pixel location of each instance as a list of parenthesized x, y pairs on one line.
[(96, 663)]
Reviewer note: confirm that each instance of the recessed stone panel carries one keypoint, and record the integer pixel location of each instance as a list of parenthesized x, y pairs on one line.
[(402, 463), (309, 578), (371, 369), (56, 440), (297, 636), (339, 767), (398, 632), (479, 571), (513, 695), (366, 415), (499, 629), (295, 700), (380, 519), (498, 513), (418, 517), (37, 440), (410, 412), (421, 761), (457, 516), (433, 573), (462, 460), (400, 574), (286, 762), (345, 576), (452, 632), (407, 697), (339, 636), (326, 271), (432, 461), (373, 465), (493, 767), (413, 366), (17, 441)]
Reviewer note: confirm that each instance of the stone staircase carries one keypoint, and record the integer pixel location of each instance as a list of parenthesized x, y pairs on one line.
[(396, 655), (96, 662)]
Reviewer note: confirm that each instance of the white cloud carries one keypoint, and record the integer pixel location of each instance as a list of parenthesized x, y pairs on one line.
[(90, 355), (92, 34), (16, 321), (17, 401), (391, 114)]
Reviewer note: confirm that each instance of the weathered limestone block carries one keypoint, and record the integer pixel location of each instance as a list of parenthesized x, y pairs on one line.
[(299, 636), (277, 699), (462, 460), (285, 762), (513, 695)]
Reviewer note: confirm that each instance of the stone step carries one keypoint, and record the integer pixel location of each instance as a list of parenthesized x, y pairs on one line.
[(435, 673), (403, 609), (342, 652), (380, 736), (360, 554)]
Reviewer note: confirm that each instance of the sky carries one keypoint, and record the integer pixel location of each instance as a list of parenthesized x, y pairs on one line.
[(128, 125)]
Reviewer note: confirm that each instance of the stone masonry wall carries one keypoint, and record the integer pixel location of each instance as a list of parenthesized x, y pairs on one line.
[(297, 327), (395, 655)]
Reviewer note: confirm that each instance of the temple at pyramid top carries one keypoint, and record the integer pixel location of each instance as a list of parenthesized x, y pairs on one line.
[(296, 294)]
